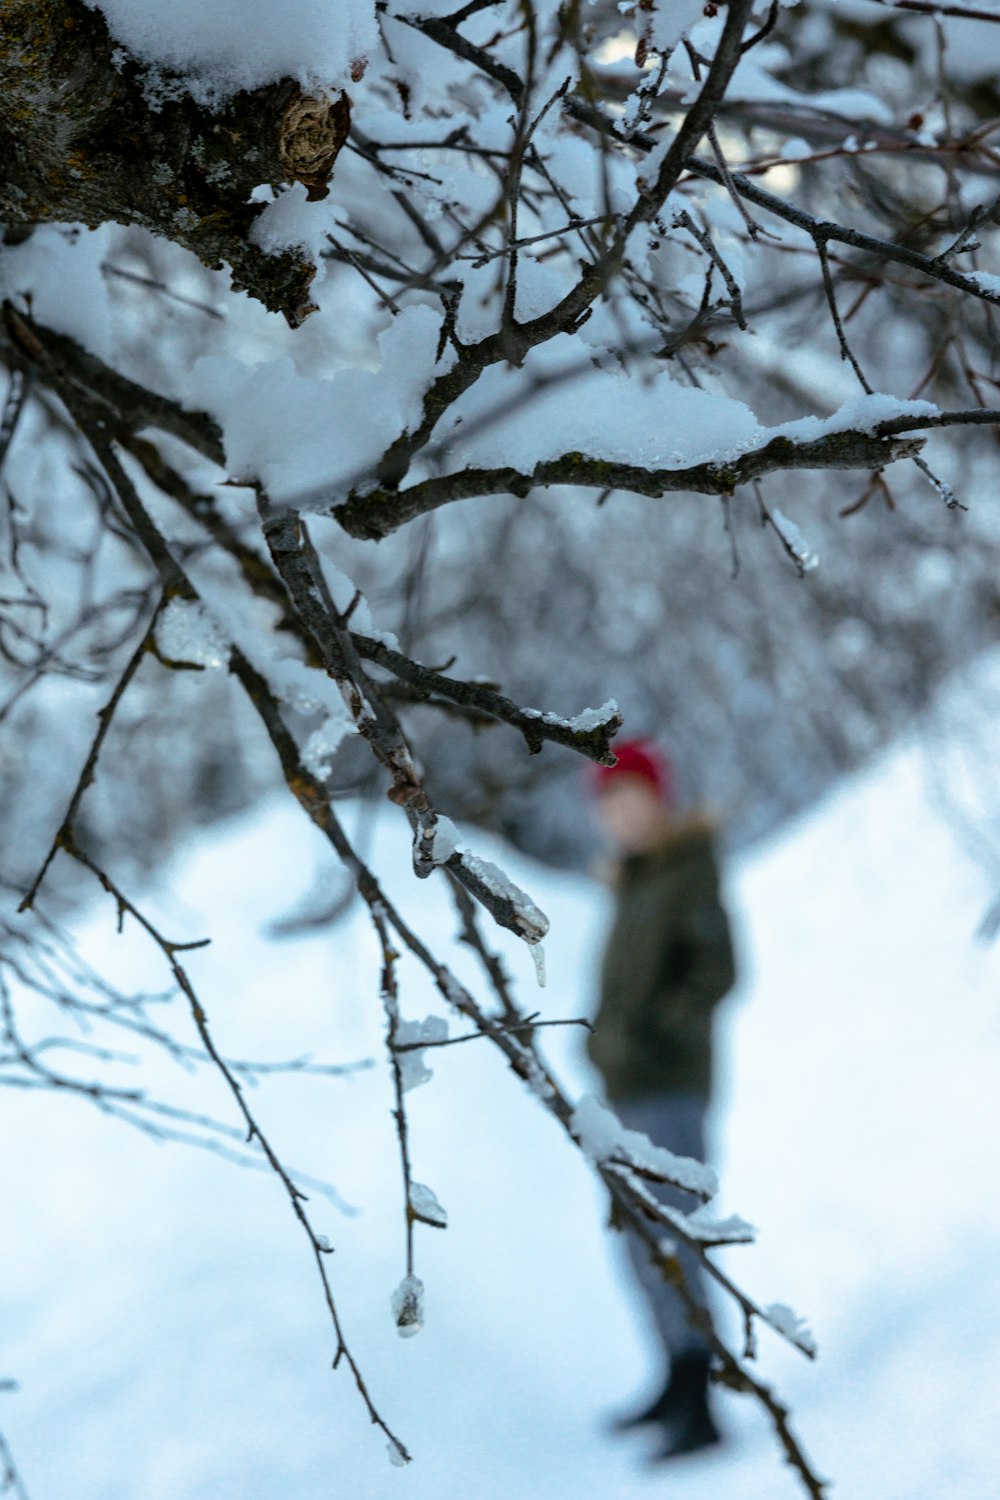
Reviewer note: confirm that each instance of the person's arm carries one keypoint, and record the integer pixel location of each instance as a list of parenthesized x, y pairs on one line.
[(698, 966)]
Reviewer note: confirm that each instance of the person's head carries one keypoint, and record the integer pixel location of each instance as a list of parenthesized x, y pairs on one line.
[(635, 797)]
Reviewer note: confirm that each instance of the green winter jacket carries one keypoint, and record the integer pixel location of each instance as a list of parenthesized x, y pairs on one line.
[(668, 962)]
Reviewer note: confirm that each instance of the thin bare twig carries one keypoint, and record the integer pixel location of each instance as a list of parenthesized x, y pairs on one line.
[(254, 1131)]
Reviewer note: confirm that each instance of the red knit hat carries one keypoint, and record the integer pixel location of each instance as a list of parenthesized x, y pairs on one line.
[(638, 758)]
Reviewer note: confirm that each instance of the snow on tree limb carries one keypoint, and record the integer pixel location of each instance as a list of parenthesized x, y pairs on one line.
[(530, 272), (380, 512)]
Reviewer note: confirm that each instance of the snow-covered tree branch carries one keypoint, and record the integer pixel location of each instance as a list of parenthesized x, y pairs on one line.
[(281, 281)]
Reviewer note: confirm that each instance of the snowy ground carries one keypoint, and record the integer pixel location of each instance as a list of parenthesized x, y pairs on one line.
[(159, 1308)]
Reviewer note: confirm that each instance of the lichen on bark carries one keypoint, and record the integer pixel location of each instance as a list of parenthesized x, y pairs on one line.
[(83, 140)]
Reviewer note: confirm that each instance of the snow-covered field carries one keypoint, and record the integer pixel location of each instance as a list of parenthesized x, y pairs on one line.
[(159, 1307)]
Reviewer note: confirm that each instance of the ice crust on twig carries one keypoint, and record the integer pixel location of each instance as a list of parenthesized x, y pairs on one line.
[(607, 1141), (532, 923), (407, 1303), (807, 559), (708, 1230), (784, 1320), (581, 723), (425, 1205)]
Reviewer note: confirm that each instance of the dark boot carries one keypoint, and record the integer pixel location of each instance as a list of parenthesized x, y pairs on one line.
[(685, 1416)]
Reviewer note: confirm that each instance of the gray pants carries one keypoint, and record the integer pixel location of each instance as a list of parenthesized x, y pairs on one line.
[(677, 1121)]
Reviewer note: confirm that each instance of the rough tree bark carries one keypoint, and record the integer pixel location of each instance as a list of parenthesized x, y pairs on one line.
[(85, 138)]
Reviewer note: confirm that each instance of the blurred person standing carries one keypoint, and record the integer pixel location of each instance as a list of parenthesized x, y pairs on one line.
[(667, 963)]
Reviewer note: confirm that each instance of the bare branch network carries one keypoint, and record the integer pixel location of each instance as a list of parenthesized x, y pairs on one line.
[(564, 247)]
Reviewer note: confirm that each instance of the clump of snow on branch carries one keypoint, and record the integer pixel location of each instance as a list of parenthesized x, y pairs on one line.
[(606, 1140), (860, 414), (446, 840), (229, 45), (425, 1206), (291, 221), (186, 632), (703, 1226), (581, 723), (299, 433), (661, 424), (667, 20), (988, 281), (408, 1306), (785, 1321), (322, 745), (796, 149), (413, 1069)]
